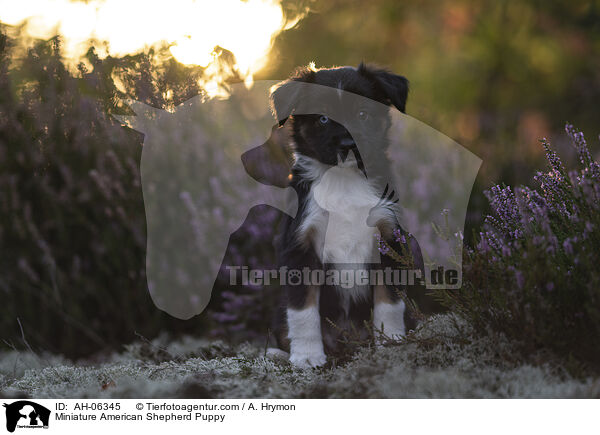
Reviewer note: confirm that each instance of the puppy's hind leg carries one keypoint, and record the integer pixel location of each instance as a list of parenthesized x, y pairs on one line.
[(304, 328)]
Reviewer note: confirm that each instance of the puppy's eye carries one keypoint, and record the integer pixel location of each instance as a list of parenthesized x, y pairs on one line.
[(363, 115), (323, 119)]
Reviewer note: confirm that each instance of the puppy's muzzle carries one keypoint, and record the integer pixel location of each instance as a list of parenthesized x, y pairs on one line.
[(346, 145)]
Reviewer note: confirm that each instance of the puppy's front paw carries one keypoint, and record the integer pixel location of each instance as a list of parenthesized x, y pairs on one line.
[(308, 360)]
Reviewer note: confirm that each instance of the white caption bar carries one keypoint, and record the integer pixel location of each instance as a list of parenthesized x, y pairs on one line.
[(269, 416)]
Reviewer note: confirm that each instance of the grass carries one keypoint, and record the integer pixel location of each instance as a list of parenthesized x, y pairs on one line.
[(443, 358)]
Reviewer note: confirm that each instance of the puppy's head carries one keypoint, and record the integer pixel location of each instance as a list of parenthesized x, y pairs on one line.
[(318, 136)]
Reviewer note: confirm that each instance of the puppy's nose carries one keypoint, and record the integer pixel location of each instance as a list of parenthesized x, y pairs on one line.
[(347, 143)]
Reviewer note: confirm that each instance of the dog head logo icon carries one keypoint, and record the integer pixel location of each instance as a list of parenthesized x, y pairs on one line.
[(26, 414)]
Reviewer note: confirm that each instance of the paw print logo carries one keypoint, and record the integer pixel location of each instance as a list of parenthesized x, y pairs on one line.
[(294, 277)]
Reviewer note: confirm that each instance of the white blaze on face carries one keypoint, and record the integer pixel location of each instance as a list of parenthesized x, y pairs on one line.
[(191, 28)]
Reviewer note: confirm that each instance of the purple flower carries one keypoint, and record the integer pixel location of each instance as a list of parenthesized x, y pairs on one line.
[(520, 279), (224, 317), (397, 233), (382, 246), (568, 247)]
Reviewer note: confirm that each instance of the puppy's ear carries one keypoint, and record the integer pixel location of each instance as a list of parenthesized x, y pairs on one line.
[(284, 96), (394, 86)]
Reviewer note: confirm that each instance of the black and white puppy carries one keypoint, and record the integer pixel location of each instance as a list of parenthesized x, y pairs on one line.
[(342, 208)]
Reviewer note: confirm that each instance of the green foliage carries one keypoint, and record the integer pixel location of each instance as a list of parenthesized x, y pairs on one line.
[(493, 75)]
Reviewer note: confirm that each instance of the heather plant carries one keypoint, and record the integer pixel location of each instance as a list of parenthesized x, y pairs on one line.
[(244, 312), (533, 275), (72, 223), (71, 215)]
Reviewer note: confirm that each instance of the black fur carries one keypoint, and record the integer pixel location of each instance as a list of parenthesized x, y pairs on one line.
[(326, 140)]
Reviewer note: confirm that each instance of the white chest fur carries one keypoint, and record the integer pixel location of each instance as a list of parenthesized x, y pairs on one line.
[(334, 222), (343, 197), (335, 218)]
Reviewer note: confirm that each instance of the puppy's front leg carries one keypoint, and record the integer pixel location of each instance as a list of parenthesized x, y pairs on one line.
[(388, 314), (304, 328)]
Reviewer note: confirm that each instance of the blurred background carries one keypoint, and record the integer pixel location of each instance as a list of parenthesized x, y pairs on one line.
[(496, 76)]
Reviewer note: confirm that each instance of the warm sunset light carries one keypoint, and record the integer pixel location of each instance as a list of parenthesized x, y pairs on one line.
[(212, 210), (191, 28)]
